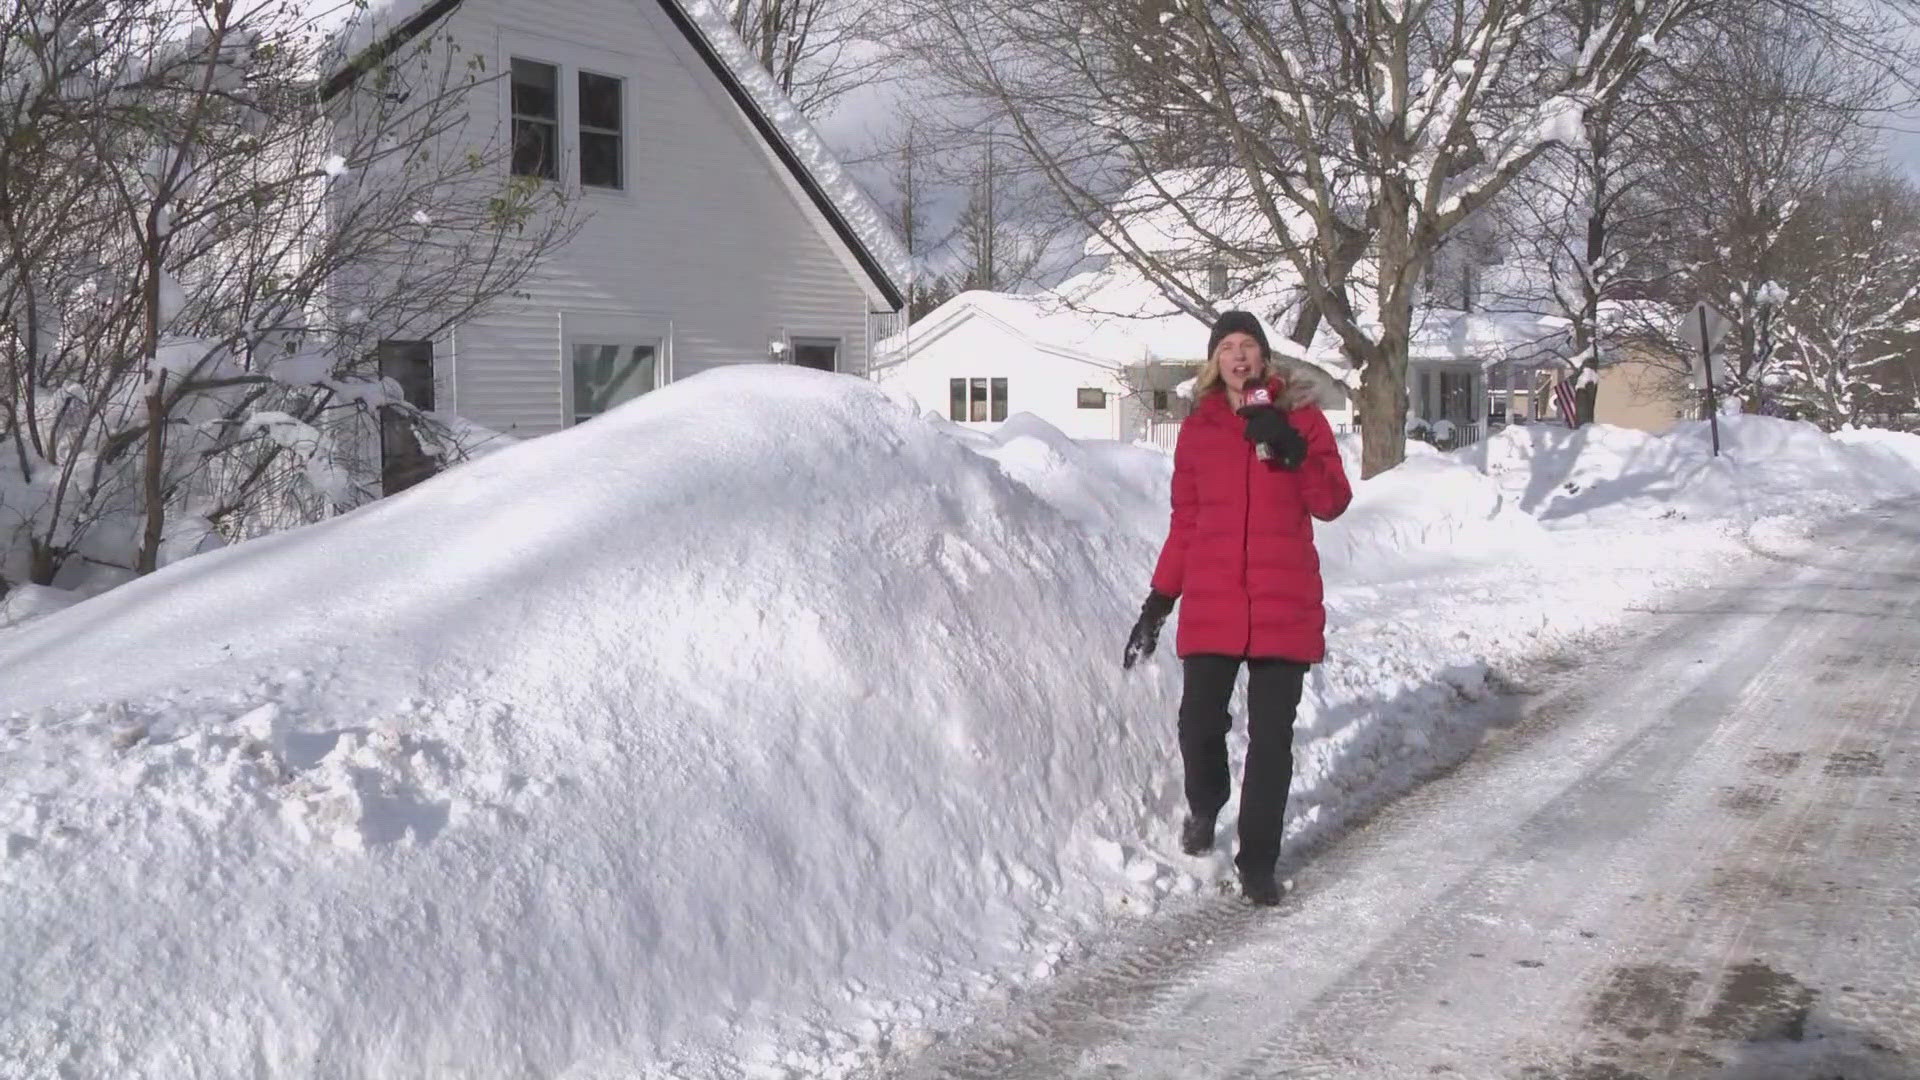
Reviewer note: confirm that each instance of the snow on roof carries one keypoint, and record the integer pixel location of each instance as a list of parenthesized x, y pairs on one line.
[(1443, 334), (792, 125), (1053, 321), (1111, 316), (355, 27)]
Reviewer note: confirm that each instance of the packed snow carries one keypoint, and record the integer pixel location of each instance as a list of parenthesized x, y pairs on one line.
[(759, 727)]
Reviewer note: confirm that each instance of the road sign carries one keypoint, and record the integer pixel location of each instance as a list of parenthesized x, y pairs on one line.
[(1702, 328)]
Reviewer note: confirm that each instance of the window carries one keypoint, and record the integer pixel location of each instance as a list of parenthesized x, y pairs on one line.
[(820, 353), (1456, 397), (536, 119), (976, 401), (1092, 397), (1217, 280), (1162, 401), (600, 142), (605, 375)]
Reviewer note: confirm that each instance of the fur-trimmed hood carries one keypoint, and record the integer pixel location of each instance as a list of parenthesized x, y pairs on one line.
[(1302, 384), (1296, 383)]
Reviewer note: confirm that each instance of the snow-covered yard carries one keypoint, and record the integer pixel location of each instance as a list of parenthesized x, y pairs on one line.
[(757, 728)]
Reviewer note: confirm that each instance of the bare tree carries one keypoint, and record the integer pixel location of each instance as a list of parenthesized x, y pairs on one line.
[(201, 258), (1341, 125), (1580, 224), (1852, 308), (909, 166), (1771, 114), (816, 50), (1003, 237)]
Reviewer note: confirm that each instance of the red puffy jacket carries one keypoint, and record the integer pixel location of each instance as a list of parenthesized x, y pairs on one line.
[(1240, 551)]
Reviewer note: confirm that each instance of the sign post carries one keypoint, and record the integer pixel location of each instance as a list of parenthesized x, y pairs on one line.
[(1703, 328)]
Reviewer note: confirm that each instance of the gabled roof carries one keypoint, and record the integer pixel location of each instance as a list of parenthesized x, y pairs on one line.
[(387, 25)]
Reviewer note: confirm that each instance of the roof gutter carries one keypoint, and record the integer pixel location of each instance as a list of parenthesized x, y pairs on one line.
[(371, 56), (774, 139)]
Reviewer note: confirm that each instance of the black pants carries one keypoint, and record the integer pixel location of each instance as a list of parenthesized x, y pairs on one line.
[(1273, 695)]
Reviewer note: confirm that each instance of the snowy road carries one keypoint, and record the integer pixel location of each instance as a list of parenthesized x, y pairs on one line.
[(1696, 856)]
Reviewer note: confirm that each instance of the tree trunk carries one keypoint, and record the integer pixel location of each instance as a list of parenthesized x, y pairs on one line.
[(1353, 244), (42, 562), (151, 487), (1383, 410), (1586, 400)]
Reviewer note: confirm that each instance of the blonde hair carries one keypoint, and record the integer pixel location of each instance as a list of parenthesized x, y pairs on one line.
[(1209, 379)]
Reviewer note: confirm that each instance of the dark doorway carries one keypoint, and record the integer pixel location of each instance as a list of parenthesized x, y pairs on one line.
[(403, 461)]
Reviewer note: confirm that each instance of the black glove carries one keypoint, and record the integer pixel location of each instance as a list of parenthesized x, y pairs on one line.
[(1146, 633), (1287, 448)]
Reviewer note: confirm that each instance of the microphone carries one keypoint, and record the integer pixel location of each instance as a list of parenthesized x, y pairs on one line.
[(1253, 399)]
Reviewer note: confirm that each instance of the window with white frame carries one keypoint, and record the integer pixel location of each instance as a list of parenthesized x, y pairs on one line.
[(546, 126), (976, 401), (601, 145), (536, 119), (603, 375), (1092, 397)]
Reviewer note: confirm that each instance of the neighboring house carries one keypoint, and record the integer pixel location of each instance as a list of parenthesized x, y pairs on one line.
[(1104, 354), (1638, 392), (982, 357), (721, 230)]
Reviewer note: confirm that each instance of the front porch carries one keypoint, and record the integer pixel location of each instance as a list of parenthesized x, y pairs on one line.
[(1453, 404)]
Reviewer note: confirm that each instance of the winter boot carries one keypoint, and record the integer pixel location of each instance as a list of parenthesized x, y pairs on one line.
[(1260, 889), (1196, 836)]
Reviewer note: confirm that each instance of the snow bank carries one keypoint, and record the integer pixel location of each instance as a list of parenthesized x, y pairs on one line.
[(756, 708), (1766, 468), (756, 728)]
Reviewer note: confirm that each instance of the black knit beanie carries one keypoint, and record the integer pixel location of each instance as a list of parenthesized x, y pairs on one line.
[(1238, 322)]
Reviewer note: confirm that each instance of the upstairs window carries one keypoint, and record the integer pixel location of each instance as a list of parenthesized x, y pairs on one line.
[(536, 119), (601, 146), (1217, 281), (1092, 397)]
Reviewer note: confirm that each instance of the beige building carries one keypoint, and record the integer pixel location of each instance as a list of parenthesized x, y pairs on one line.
[(1640, 393)]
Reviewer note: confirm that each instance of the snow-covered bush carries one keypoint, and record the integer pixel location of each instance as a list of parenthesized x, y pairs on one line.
[(205, 261)]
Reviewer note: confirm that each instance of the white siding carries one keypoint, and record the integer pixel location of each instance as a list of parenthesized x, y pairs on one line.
[(711, 236), (1038, 382)]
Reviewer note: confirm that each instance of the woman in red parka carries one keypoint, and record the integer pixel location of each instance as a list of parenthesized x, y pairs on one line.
[(1247, 481)]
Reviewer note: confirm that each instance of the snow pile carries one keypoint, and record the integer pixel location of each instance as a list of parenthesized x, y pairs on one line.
[(754, 713), (756, 728), (1766, 468)]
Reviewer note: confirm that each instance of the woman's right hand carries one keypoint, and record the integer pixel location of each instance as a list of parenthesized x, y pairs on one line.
[(1146, 632)]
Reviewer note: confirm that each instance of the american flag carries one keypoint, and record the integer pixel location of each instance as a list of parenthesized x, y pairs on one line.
[(1563, 397)]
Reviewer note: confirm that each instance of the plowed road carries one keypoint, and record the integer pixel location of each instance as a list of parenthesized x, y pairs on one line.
[(1697, 855)]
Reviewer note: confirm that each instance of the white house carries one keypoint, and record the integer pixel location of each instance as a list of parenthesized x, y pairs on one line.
[(720, 228), (983, 356), (1102, 354)]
